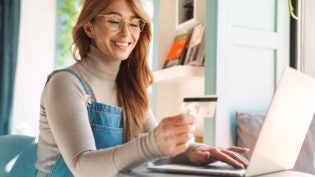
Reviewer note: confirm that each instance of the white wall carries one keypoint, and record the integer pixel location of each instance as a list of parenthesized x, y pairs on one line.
[(35, 62), (308, 37)]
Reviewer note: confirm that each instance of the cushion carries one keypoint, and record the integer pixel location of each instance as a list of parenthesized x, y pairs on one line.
[(248, 128), (18, 155)]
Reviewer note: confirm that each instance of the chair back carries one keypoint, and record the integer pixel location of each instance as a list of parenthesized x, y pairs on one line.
[(18, 154)]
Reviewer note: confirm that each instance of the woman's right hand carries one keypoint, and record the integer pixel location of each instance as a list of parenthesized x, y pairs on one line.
[(173, 133)]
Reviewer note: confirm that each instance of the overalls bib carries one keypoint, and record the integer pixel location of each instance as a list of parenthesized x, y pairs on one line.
[(106, 123)]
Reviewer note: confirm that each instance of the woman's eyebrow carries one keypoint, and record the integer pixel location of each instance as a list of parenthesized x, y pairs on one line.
[(120, 14)]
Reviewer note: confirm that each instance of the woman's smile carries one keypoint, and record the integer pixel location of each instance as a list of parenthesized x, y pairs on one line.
[(121, 44)]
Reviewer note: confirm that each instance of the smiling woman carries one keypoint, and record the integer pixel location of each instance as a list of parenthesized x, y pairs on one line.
[(96, 111), (67, 13)]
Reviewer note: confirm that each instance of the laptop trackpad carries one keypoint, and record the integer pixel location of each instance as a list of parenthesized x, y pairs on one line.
[(217, 168)]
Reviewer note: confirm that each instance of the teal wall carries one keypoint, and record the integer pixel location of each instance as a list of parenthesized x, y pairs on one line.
[(211, 46)]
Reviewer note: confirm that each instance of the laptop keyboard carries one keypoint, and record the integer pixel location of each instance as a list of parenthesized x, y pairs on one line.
[(219, 166)]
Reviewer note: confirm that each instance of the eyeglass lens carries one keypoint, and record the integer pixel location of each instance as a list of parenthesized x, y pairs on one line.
[(114, 22)]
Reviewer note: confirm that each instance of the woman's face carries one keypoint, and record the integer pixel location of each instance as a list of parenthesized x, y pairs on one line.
[(116, 43)]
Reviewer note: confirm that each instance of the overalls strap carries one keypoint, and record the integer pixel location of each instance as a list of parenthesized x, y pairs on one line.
[(85, 87)]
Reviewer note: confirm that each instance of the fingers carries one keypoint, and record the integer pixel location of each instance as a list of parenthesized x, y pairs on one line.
[(229, 156), (173, 133), (240, 150), (199, 155), (177, 125), (179, 139), (179, 120), (183, 129), (236, 159), (177, 143), (179, 148)]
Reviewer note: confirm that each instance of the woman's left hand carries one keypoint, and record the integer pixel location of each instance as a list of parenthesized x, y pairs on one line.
[(204, 154)]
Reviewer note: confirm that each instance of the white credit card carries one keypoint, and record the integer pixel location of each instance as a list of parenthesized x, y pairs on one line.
[(201, 108)]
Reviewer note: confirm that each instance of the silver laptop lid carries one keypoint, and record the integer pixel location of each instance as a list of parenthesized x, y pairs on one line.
[(286, 124)]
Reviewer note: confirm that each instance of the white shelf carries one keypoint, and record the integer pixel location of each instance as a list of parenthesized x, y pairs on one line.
[(178, 74)]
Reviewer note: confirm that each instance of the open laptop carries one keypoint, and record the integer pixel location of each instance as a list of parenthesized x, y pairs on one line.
[(281, 137)]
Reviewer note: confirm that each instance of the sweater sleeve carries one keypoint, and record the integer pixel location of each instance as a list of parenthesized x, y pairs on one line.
[(65, 105)]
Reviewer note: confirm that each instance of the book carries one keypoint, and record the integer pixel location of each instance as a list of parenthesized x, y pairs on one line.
[(198, 57), (196, 46), (177, 50)]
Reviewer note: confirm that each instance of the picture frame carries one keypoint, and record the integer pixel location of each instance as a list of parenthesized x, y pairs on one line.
[(186, 13)]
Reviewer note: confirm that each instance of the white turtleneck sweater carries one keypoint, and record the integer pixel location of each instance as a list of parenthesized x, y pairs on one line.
[(65, 128)]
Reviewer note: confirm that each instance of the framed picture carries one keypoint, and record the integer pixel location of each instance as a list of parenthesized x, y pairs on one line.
[(185, 13)]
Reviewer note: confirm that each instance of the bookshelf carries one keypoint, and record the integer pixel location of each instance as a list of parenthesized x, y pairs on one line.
[(179, 74), (174, 83)]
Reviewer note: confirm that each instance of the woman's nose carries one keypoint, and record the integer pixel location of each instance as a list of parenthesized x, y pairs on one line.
[(124, 29)]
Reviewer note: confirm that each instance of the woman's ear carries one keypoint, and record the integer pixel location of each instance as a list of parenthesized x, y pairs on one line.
[(88, 28)]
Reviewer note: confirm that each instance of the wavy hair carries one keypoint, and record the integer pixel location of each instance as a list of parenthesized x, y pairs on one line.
[(134, 76)]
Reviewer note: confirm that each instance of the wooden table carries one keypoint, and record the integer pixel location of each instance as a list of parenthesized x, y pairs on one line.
[(142, 171)]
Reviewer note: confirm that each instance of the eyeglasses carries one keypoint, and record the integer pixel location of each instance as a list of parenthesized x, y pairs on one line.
[(114, 23)]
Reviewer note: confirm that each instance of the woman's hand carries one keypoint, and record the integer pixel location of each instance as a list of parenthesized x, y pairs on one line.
[(232, 156), (173, 133)]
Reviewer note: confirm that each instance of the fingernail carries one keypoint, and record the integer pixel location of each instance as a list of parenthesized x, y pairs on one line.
[(241, 165)]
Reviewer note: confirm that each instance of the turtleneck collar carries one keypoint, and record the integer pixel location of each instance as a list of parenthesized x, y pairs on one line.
[(98, 64)]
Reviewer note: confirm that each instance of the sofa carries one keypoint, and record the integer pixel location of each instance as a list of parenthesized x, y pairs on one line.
[(18, 155), (248, 128)]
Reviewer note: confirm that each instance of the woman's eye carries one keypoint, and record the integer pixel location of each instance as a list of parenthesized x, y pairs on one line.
[(114, 21), (134, 25)]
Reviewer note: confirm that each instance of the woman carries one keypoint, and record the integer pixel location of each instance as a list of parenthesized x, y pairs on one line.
[(95, 115)]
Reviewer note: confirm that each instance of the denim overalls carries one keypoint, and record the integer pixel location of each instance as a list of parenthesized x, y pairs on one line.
[(106, 123)]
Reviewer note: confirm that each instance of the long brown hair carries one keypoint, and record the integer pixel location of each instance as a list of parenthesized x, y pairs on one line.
[(134, 76)]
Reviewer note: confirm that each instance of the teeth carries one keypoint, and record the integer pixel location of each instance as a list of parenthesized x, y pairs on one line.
[(122, 44)]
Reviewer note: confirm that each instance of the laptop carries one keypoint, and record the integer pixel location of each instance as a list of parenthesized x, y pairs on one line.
[(282, 134)]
